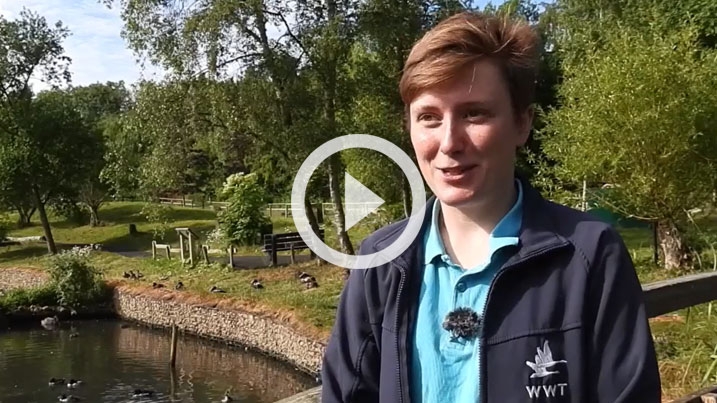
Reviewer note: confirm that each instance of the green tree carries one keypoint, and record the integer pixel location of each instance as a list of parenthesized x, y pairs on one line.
[(244, 220), (29, 47), (41, 135), (640, 114), (98, 104)]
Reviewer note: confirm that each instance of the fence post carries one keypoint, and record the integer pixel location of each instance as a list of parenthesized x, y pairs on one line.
[(273, 250), (173, 349), (154, 250)]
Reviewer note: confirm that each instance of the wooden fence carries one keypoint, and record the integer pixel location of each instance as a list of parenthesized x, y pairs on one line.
[(272, 209), (661, 297)]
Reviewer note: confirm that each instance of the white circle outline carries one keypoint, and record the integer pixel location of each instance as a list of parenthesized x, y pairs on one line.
[(418, 201)]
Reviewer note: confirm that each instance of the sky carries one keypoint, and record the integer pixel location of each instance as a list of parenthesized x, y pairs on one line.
[(97, 50), (95, 45)]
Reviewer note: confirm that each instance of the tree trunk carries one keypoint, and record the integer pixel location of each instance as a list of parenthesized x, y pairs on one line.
[(40, 207), (313, 222), (675, 251), (406, 196), (339, 216), (94, 214), (25, 213), (331, 68)]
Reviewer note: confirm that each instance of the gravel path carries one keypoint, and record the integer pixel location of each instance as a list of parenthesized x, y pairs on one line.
[(21, 278)]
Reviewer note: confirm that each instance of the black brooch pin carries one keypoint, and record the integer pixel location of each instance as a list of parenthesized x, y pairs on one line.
[(463, 323)]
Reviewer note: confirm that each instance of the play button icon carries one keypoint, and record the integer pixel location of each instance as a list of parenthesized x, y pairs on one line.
[(359, 201)]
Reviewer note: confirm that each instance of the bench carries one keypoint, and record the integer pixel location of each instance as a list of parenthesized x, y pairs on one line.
[(289, 241)]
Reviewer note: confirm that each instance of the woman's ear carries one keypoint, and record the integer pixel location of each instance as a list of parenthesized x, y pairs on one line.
[(525, 124)]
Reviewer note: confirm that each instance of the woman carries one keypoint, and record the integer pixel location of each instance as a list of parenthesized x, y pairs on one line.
[(505, 296)]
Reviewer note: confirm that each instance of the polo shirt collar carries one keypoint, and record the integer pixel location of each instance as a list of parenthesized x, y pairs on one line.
[(505, 232)]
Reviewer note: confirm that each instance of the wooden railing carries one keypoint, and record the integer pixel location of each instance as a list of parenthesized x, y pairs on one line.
[(272, 209), (661, 297)]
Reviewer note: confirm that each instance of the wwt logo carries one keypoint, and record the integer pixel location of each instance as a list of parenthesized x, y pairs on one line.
[(542, 367), (535, 391)]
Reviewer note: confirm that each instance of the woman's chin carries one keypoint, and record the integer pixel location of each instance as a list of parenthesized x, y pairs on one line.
[(456, 197)]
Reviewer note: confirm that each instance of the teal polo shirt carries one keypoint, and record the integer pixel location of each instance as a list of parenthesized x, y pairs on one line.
[(445, 370)]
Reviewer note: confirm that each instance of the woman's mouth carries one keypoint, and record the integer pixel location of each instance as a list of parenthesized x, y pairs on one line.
[(456, 172)]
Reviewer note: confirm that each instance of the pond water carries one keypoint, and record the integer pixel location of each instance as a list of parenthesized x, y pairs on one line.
[(114, 358)]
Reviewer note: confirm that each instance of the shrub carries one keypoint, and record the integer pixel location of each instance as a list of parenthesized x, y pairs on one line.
[(159, 216), (69, 209), (14, 299), (6, 224), (77, 282), (243, 219)]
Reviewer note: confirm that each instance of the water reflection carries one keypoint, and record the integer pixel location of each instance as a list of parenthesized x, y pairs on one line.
[(113, 361)]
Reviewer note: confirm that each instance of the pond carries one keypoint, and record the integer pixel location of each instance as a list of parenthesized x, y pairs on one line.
[(114, 358)]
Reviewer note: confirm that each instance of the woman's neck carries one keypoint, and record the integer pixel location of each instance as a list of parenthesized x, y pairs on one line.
[(465, 229)]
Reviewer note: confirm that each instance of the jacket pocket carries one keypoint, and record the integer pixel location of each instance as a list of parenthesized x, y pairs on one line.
[(544, 365)]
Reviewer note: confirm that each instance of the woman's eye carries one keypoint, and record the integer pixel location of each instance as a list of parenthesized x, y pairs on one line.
[(475, 113)]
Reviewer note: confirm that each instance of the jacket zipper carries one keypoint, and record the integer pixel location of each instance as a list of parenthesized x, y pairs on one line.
[(398, 316), (513, 265)]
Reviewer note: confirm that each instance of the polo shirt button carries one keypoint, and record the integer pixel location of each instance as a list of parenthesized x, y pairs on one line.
[(461, 286)]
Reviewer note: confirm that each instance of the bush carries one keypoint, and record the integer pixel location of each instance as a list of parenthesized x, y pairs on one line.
[(70, 210), (6, 224), (17, 298), (77, 282), (243, 220), (159, 216)]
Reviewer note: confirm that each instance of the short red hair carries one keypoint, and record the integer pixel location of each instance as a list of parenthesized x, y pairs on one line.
[(464, 39)]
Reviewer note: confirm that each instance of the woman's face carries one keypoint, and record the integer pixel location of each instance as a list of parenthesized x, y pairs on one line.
[(465, 135)]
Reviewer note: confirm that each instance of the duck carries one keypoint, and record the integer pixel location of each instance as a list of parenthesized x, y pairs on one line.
[(256, 284), (73, 383), (311, 283), (74, 334), (302, 275), (56, 381), (50, 323), (216, 289), (179, 285), (157, 285), (227, 398), (64, 398), (142, 393)]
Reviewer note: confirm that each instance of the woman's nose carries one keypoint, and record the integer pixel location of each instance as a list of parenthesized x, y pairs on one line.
[(452, 137)]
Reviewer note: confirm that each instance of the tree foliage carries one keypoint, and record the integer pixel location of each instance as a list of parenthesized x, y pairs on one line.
[(244, 220), (640, 115)]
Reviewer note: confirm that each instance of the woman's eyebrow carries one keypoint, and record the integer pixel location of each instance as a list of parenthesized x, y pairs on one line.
[(473, 104)]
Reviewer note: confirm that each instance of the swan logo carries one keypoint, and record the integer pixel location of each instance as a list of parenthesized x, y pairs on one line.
[(543, 366)]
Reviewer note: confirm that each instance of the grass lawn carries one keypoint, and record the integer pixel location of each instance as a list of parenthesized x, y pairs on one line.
[(686, 340)]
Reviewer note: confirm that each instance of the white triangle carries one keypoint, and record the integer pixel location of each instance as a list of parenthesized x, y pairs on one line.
[(359, 201)]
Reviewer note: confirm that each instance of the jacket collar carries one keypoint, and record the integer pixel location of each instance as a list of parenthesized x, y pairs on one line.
[(538, 230)]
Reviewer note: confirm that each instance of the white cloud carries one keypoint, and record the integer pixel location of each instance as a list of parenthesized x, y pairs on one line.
[(95, 45)]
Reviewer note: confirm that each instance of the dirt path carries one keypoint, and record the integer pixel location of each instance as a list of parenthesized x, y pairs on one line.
[(11, 278)]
